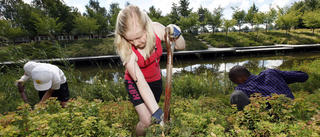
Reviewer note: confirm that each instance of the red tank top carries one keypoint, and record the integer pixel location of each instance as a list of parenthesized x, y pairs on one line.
[(149, 67)]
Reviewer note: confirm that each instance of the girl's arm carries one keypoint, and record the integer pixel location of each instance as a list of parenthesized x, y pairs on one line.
[(144, 89), (160, 31)]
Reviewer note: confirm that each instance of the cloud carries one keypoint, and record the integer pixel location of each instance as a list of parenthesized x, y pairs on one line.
[(27, 1), (107, 3), (282, 3), (244, 5), (80, 7), (164, 5), (264, 8)]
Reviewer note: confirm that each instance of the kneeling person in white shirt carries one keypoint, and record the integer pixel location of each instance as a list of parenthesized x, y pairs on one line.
[(48, 79)]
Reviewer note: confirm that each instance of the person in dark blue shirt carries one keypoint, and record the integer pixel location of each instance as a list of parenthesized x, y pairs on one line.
[(267, 82)]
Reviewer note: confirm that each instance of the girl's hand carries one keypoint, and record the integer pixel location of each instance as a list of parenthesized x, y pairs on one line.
[(174, 31)]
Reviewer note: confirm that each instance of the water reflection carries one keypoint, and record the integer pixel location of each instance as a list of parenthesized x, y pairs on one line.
[(225, 67), (197, 66)]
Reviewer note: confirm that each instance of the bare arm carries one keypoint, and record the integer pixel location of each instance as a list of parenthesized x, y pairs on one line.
[(144, 89), (47, 95), (21, 88), (160, 31)]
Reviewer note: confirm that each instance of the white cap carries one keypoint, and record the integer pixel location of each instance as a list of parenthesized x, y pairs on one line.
[(42, 78), (29, 66)]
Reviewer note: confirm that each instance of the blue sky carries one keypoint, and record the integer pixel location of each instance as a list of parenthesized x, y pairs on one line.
[(165, 5)]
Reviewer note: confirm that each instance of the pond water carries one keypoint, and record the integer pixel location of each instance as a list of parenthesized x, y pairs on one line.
[(112, 71)]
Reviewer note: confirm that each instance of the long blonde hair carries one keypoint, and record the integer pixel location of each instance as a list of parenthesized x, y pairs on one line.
[(123, 25)]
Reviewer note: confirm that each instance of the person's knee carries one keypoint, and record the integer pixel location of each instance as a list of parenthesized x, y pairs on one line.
[(240, 99)]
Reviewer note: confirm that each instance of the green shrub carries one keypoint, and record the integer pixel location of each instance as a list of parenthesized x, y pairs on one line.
[(205, 116), (283, 118)]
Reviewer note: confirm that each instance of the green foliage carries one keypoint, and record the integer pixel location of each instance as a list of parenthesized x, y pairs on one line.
[(239, 16), (312, 69), (83, 47), (80, 118), (285, 117), (189, 23), (86, 25), (101, 89), (295, 37), (31, 51), (8, 30), (46, 25), (113, 14), (75, 48), (199, 107), (312, 19), (288, 20), (192, 43), (203, 84), (227, 24), (214, 18)]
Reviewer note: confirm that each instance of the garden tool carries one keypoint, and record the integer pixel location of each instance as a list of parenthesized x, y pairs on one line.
[(172, 33)]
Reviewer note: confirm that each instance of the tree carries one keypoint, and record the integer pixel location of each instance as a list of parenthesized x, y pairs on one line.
[(100, 14), (189, 23), (57, 9), (250, 15), (202, 12), (164, 20), (270, 16), (86, 25), (8, 31), (174, 14), (46, 25), (154, 14), (239, 16), (312, 4), (14, 10), (259, 18), (113, 14), (214, 19), (9, 9), (95, 6), (40, 5), (227, 24), (184, 8), (26, 20), (246, 29), (288, 20), (300, 5), (312, 19), (65, 15)]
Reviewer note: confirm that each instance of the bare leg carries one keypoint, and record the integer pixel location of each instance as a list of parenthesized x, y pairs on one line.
[(145, 119)]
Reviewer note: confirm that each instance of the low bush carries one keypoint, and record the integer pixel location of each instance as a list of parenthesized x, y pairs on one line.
[(205, 116)]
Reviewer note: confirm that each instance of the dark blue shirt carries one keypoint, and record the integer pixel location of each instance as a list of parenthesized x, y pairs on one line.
[(272, 81)]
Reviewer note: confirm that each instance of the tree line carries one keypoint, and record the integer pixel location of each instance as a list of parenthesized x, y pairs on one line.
[(54, 17)]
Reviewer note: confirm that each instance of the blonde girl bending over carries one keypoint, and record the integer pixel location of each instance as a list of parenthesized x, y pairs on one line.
[(138, 42)]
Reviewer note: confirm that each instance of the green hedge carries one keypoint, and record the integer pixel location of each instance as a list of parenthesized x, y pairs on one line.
[(205, 116), (234, 39)]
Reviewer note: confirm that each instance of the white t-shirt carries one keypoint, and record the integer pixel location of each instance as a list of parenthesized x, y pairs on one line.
[(58, 76)]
